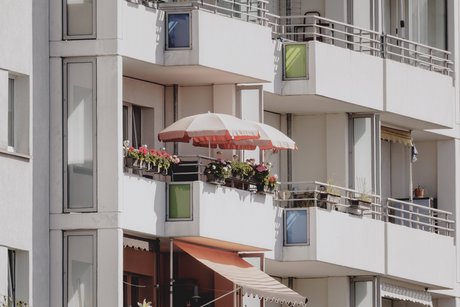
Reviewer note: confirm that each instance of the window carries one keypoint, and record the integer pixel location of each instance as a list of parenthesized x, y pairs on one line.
[(364, 137), (11, 113), (295, 61), (364, 291), (15, 120), (179, 32), (12, 277), (80, 268), (138, 125), (296, 226), (79, 135), (179, 201), (79, 19)]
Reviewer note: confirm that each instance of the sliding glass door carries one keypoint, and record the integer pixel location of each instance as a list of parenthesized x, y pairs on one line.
[(421, 21)]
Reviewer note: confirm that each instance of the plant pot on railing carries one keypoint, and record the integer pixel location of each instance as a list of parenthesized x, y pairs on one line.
[(260, 187), (212, 178), (326, 199), (129, 161)]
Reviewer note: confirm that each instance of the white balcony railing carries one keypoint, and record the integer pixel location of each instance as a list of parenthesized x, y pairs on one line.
[(331, 197), (247, 10), (418, 55), (312, 27), (316, 28), (419, 217)]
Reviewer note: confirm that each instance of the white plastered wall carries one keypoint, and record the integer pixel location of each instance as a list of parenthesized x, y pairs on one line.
[(194, 100)]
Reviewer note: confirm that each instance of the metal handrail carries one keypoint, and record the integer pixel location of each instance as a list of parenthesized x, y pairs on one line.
[(254, 11), (361, 40), (324, 195), (306, 194), (419, 55)]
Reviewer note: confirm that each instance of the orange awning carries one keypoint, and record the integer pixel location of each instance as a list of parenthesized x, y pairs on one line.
[(253, 282)]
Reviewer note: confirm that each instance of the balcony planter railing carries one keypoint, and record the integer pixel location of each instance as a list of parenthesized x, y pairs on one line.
[(197, 167), (295, 195), (328, 196)]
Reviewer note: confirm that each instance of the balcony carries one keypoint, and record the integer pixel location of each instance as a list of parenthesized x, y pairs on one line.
[(332, 66), (180, 204), (187, 42), (338, 231)]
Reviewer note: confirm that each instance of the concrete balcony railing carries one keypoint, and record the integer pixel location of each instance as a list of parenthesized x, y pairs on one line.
[(180, 204), (346, 228), (352, 69), (326, 196), (316, 28), (191, 38)]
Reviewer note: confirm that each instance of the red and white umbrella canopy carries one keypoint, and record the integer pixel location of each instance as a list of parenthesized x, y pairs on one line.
[(270, 138), (208, 128)]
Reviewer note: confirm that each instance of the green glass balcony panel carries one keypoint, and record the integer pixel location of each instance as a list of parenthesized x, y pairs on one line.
[(295, 61), (180, 201)]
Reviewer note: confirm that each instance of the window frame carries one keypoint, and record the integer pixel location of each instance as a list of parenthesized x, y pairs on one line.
[(375, 150), (11, 108), (66, 36), (130, 122), (67, 61), (190, 45), (307, 74), (65, 267), (375, 289), (11, 287), (285, 235), (187, 219)]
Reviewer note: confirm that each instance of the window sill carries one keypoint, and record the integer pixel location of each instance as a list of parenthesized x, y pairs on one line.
[(14, 154)]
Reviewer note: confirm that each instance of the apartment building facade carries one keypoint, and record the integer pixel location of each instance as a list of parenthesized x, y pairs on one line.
[(367, 89)]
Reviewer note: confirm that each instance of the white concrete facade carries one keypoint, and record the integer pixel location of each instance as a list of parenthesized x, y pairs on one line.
[(233, 65)]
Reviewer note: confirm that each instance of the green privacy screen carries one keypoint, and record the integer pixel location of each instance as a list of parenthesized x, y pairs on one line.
[(179, 201), (295, 61)]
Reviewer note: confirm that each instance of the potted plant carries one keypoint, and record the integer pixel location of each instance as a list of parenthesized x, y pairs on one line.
[(145, 304), (271, 182), (362, 199), (261, 172), (218, 171), (328, 194), (419, 192), (131, 156), (241, 170)]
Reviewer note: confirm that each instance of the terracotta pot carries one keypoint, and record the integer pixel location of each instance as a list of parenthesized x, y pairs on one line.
[(419, 192)]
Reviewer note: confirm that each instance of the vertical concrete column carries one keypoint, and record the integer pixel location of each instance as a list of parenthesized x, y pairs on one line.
[(224, 98), (250, 108), (224, 101), (337, 149), (110, 267), (55, 135), (3, 272), (448, 182), (109, 132), (338, 292), (56, 265)]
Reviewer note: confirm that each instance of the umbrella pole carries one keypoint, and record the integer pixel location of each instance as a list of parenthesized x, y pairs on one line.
[(209, 148)]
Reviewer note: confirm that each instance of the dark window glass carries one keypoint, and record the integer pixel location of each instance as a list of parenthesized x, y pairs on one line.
[(178, 30)]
